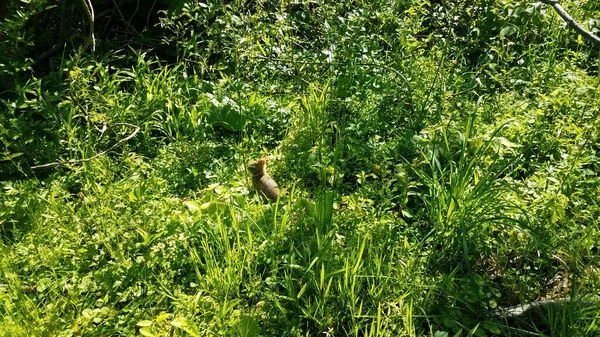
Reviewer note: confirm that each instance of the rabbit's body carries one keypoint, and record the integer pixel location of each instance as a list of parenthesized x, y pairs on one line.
[(262, 181)]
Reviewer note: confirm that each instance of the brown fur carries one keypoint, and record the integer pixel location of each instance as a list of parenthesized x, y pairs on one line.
[(262, 181)]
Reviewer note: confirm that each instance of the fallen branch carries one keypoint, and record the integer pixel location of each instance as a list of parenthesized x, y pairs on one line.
[(571, 22), (25, 288), (77, 161), (520, 310)]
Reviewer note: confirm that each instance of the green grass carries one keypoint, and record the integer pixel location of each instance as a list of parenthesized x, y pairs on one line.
[(437, 166)]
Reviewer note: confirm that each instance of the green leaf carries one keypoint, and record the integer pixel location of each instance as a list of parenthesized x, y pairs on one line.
[(146, 331), (191, 205), (493, 328), (144, 323), (508, 30), (185, 325), (162, 316), (248, 327), (179, 322)]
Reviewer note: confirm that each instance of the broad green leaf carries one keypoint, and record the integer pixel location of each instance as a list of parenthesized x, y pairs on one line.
[(508, 30), (146, 331), (144, 323), (192, 206)]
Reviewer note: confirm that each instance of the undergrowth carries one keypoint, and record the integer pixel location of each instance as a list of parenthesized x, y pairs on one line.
[(438, 165)]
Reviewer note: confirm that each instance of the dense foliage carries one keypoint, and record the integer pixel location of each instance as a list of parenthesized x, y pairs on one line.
[(440, 161)]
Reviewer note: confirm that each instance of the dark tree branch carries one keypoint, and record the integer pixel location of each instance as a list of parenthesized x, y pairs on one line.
[(89, 10), (61, 35), (150, 13), (571, 22)]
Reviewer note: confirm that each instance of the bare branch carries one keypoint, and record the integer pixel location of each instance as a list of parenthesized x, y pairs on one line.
[(89, 9), (571, 22), (73, 161), (137, 6), (61, 35), (150, 13)]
